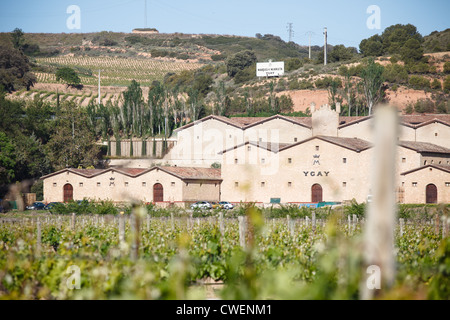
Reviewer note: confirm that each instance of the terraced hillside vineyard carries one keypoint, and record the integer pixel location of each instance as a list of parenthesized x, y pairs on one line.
[(115, 71)]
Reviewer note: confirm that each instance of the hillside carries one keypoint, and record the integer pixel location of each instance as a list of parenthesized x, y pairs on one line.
[(180, 58)]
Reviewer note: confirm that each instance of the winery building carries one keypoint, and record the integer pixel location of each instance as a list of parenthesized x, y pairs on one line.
[(163, 185), (278, 159)]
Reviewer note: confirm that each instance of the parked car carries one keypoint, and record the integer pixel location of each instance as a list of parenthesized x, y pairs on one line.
[(226, 205), (201, 205), (36, 206), (215, 205), (51, 205)]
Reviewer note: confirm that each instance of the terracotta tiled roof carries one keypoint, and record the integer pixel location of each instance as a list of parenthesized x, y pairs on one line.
[(246, 121), (421, 118), (349, 143), (344, 121), (274, 147), (423, 147), (408, 120), (445, 168), (354, 144), (131, 171), (180, 172), (188, 173), (87, 172)]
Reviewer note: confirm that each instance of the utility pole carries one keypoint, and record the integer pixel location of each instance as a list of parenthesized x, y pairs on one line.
[(290, 31), (310, 33), (99, 97), (325, 47), (145, 13)]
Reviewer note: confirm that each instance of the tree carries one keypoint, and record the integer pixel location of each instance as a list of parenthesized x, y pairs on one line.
[(341, 53), (31, 158), (333, 98), (69, 76), (17, 38), (349, 90), (7, 160), (240, 61), (395, 37), (72, 144), (14, 69), (372, 47), (411, 51), (372, 84), (395, 73), (391, 41)]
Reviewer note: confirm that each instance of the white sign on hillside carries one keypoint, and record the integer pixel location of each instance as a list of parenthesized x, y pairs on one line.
[(270, 69)]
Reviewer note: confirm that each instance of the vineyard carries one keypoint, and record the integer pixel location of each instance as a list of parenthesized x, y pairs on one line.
[(115, 71), (174, 255)]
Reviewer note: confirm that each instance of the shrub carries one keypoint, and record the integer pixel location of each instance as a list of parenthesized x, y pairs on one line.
[(424, 106), (293, 64), (447, 84), (436, 84), (418, 82), (105, 207), (395, 73), (218, 57), (447, 67), (355, 208), (294, 85)]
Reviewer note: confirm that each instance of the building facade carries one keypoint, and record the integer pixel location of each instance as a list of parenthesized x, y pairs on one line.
[(162, 185), (322, 158)]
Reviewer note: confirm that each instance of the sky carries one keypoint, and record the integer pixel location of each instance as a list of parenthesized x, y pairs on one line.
[(347, 21)]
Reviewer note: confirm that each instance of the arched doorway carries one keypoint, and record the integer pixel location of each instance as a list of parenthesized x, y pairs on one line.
[(431, 193), (158, 192), (68, 192), (316, 193)]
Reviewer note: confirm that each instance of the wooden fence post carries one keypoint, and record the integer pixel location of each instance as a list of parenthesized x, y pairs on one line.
[(290, 224), (354, 222), (38, 237), (242, 231), (402, 223), (314, 220), (121, 228), (444, 226), (221, 226), (73, 221), (437, 228)]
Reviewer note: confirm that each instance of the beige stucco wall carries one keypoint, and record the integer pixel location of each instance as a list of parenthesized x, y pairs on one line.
[(302, 173), (127, 188), (200, 144), (361, 130), (325, 121), (423, 177), (206, 191), (436, 133), (406, 133), (277, 130)]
